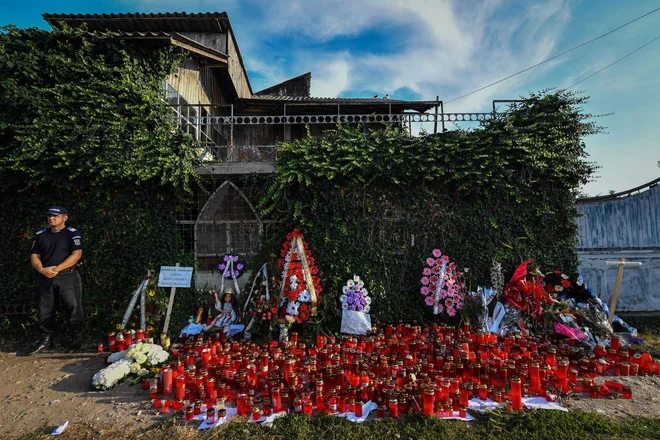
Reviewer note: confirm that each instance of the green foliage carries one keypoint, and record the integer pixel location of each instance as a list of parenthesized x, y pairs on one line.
[(375, 203), (84, 124)]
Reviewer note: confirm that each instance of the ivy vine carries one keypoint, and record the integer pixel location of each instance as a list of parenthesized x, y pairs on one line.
[(375, 203)]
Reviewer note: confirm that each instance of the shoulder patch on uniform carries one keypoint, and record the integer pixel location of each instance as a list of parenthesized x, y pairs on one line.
[(41, 232), (69, 228)]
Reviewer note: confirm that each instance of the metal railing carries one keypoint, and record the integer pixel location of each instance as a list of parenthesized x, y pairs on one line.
[(222, 135)]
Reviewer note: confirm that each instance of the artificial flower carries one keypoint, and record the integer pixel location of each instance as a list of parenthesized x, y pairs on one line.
[(436, 253), (429, 300)]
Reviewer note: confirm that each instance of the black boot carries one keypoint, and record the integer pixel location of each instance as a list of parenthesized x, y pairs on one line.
[(45, 343), (76, 342)]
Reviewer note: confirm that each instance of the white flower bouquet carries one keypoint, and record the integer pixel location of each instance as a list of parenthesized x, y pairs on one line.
[(133, 360), (111, 375)]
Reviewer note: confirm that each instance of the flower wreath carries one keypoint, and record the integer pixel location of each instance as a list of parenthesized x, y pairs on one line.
[(444, 295), (355, 297), (297, 303), (237, 262)]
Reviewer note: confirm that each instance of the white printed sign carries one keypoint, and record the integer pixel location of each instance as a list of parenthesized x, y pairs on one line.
[(174, 276)]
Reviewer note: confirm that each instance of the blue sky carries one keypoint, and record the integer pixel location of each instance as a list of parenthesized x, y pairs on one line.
[(419, 49)]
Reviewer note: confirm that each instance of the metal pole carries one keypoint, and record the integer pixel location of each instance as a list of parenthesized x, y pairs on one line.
[(230, 156), (435, 124)]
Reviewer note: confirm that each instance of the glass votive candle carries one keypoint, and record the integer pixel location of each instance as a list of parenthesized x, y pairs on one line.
[(166, 406), (197, 410), (627, 392), (394, 407), (358, 408), (210, 416), (256, 414), (189, 412), (308, 407), (462, 412)]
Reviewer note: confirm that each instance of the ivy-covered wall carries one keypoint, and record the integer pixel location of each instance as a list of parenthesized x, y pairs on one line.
[(375, 204), (83, 124)]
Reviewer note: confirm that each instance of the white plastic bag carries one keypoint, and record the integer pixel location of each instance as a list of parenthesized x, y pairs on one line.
[(355, 323)]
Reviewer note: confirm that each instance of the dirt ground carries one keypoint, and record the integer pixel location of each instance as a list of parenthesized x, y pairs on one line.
[(47, 389), (43, 391)]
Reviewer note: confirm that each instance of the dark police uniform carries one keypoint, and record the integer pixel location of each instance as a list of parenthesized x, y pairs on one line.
[(53, 248)]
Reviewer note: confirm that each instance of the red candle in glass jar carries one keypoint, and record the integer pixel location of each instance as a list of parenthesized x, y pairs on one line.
[(166, 378), (462, 412), (99, 348), (276, 399), (342, 404), (165, 406), (241, 404), (308, 407), (189, 412), (516, 393), (206, 356), (483, 392), (210, 416), (428, 401), (551, 357), (358, 408), (145, 384), (625, 369), (256, 414), (394, 407), (626, 393)]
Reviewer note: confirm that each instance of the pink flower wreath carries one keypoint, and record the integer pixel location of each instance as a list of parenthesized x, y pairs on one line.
[(450, 299)]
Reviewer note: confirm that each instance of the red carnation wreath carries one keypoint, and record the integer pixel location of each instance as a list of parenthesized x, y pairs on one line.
[(300, 295)]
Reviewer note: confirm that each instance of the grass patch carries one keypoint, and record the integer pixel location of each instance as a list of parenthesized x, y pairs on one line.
[(499, 425)]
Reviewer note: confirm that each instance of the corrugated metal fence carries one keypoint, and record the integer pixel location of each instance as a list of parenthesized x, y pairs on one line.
[(625, 225)]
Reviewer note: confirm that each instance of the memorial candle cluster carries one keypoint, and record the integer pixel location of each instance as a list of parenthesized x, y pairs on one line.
[(434, 370)]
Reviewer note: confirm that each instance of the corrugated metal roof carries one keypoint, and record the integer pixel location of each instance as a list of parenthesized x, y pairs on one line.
[(141, 22)]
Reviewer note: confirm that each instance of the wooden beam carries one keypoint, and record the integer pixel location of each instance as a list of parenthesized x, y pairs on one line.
[(237, 168), (198, 51)]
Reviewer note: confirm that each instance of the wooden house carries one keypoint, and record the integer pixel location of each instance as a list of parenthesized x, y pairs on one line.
[(238, 130)]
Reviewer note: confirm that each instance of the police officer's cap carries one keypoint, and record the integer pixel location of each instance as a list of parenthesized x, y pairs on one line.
[(56, 210)]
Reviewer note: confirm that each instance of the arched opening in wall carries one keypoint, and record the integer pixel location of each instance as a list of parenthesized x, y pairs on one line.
[(228, 222)]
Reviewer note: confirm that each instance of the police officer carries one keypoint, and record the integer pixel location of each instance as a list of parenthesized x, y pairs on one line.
[(56, 252)]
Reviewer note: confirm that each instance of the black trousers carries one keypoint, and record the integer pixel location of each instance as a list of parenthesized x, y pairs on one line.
[(65, 288)]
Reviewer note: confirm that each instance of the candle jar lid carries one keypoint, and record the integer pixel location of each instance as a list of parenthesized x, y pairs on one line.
[(222, 412)]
